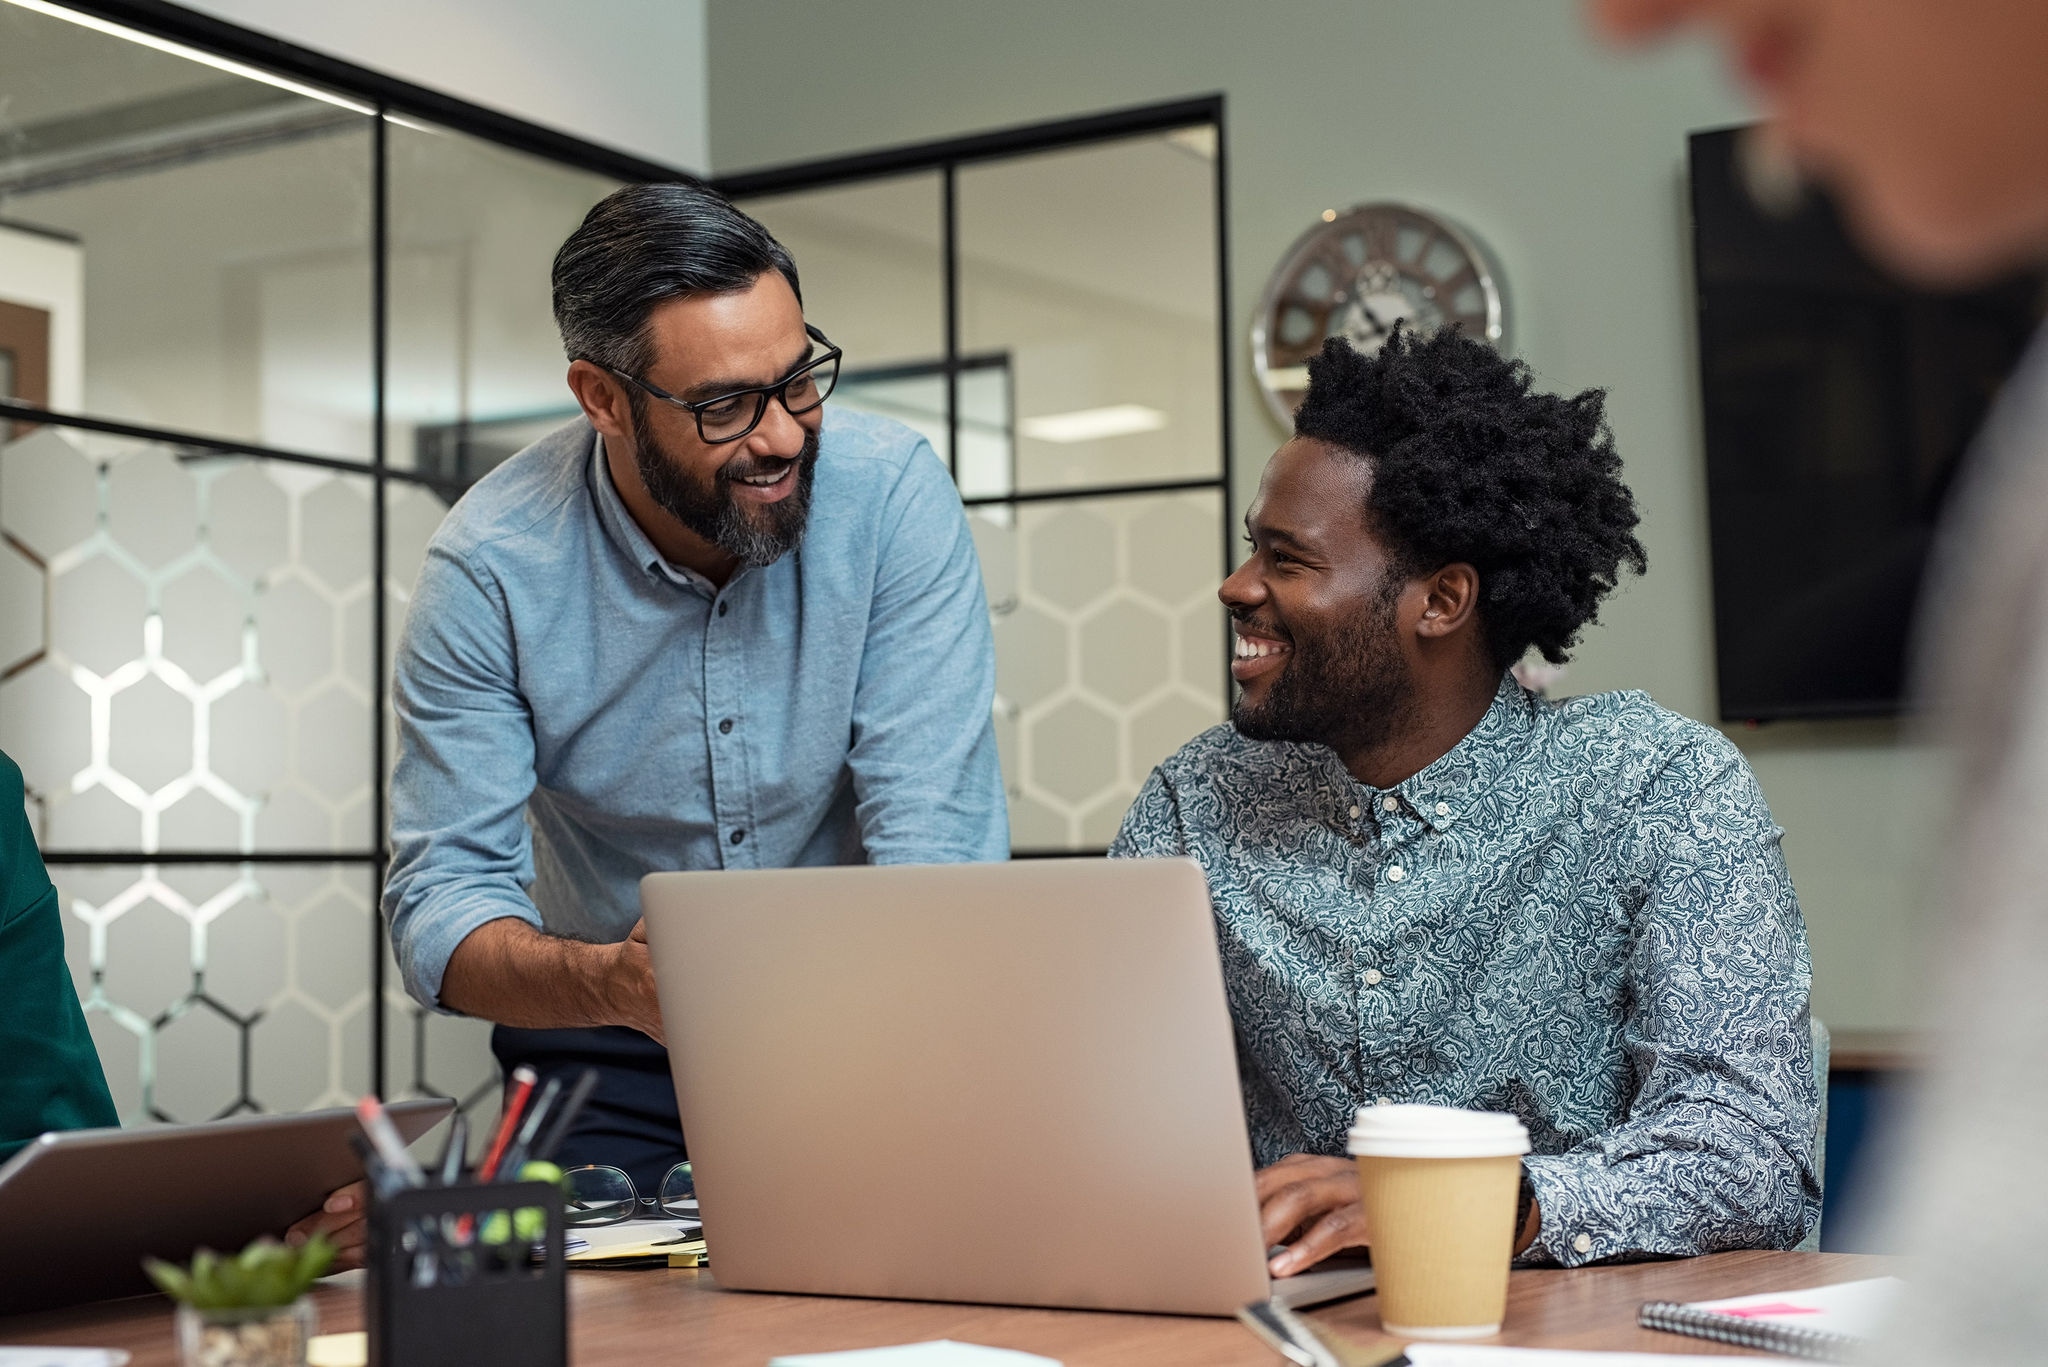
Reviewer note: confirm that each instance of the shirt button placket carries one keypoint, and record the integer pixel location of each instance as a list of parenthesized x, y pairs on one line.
[(729, 802)]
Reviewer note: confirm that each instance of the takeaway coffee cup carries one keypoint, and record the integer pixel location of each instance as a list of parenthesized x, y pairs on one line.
[(1440, 1187)]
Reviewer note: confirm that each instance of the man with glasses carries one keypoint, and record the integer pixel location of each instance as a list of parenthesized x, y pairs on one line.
[(636, 646)]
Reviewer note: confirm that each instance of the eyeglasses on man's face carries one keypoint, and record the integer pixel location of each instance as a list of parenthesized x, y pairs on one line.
[(729, 417)]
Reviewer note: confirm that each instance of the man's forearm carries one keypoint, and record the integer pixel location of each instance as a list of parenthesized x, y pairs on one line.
[(509, 972)]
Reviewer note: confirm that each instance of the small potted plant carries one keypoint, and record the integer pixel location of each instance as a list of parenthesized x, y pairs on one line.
[(246, 1311)]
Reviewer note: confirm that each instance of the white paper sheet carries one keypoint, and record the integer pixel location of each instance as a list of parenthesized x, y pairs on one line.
[(1486, 1355)]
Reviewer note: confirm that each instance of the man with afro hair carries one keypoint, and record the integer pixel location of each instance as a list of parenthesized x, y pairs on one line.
[(1434, 886)]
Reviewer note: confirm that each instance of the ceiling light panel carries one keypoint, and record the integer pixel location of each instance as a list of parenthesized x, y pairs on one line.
[(1094, 424)]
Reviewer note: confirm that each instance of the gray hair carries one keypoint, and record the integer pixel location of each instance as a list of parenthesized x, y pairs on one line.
[(642, 246)]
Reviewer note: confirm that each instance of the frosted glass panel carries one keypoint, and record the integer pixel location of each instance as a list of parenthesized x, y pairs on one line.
[(1109, 651), (179, 675), (214, 990)]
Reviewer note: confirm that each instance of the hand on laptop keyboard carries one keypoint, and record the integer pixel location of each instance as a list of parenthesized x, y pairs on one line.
[(1310, 1203)]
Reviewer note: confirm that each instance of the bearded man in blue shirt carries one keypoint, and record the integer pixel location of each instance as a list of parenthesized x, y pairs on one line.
[(1432, 885), (712, 623)]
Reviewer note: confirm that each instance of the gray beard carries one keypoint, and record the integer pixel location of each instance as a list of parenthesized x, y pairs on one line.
[(755, 535)]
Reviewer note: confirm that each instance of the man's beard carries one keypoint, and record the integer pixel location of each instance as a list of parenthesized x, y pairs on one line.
[(752, 533), (1349, 690)]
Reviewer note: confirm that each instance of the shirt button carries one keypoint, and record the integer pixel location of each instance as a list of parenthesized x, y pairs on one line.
[(1372, 977), (1354, 811), (1583, 1244), (1443, 809), (722, 608), (1394, 874), (738, 836), (725, 727), (1390, 803)]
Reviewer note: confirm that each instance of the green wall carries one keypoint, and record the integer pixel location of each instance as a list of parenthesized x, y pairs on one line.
[(1565, 159)]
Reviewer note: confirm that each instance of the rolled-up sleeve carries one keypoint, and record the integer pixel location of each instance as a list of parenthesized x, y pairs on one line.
[(462, 854), (1717, 1149), (927, 784)]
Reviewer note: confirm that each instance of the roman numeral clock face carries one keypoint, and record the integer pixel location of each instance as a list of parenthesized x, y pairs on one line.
[(1354, 276)]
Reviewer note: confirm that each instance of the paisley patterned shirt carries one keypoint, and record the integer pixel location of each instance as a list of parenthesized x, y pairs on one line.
[(1580, 914)]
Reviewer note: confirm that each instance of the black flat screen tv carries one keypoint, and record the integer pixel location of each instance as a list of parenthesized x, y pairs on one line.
[(1837, 405)]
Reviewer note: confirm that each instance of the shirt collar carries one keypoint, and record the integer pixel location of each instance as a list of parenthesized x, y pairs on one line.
[(1444, 791), (625, 532)]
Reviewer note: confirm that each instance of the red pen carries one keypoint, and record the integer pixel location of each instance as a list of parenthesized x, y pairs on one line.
[(523, 1078)]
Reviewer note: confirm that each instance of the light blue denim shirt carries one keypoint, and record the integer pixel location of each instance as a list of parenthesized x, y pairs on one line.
[(574, 712), (1580, 915)]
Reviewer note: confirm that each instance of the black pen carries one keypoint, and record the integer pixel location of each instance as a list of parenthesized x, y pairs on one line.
[(565, 1116), (522, 1147)]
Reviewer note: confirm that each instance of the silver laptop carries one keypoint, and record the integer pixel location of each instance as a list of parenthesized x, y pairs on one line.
[(1005, 1083), (83, 1208)]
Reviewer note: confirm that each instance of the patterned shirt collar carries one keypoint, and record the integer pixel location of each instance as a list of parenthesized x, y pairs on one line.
[(1441, 793)]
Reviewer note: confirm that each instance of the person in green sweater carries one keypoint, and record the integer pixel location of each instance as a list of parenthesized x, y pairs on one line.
[(50, 1076)]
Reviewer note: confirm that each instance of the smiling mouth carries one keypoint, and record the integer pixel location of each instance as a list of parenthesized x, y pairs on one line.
[(766, 486), (1252, 656), (1256, 648)]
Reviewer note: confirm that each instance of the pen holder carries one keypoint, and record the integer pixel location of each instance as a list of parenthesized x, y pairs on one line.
[(471, 1273)]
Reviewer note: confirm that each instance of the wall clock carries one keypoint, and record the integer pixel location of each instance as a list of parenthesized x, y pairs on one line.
[(1357, 273)]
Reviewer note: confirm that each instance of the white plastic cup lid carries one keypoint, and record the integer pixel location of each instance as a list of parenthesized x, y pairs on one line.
[(1410, 1131)]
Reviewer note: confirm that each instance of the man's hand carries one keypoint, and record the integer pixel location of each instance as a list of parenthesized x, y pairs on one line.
[(638, 1004), (510, 972), (1310, 1203), (344, 1219)]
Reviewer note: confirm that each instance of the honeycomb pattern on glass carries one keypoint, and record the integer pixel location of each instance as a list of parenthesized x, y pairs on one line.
[(187, 665), (212, 990), (1109, 651), (187, 685)]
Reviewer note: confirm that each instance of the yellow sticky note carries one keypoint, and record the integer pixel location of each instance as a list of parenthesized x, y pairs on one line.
[(338, 1350)]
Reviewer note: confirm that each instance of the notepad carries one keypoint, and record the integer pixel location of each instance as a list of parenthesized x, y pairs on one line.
[(936, 1353), (635, 1243), (1825, 1323)]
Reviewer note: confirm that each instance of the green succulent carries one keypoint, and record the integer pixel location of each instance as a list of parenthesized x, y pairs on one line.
[(266, 1273)]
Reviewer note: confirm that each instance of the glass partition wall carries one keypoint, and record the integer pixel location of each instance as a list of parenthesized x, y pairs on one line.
[(1046, 305), (258, 326), (263, 317)]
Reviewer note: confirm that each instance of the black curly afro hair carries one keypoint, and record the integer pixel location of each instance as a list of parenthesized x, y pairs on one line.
[(1469, 465)]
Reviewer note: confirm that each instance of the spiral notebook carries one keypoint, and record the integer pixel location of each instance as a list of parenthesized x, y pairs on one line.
[(1823, 1323)]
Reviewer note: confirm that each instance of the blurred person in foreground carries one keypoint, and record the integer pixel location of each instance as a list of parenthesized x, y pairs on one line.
[(1432, 886), (1930, 120)]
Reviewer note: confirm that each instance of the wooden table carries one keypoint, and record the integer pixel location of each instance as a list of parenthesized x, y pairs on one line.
[(675, 1316)]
